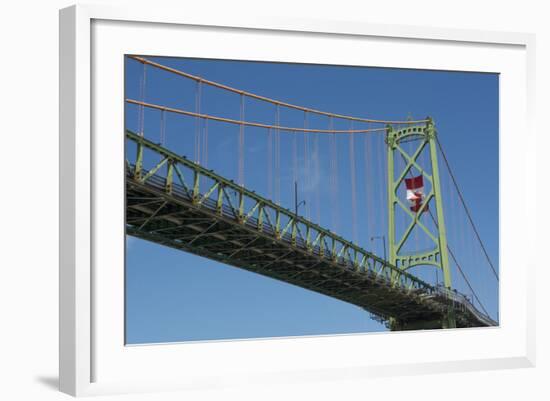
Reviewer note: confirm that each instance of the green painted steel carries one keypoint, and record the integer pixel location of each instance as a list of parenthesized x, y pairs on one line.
[(180, 204), (423, 136), (263, 210)]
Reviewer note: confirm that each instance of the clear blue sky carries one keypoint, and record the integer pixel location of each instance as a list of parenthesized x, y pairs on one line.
[(176, 296)]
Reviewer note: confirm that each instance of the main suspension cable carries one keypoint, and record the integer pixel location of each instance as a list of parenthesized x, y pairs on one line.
[(453, 256), (467, 282), (263, 98), (466, 209), (460, 269), (249, 123)]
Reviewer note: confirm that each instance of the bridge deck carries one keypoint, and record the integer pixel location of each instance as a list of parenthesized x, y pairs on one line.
[(284, 246)]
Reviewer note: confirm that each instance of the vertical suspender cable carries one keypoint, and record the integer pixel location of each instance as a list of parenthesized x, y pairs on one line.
[(452, 215), (353, 185), (368, 184), (472, 265), (306, 174), (317, 167), (452, 255), (269, 165), (461, 240), (331, 177), (278, 157), (448, 220), (204, 122), (141, 112), (466, 210), (205, 144), (162, 136), (332, 156), (241, 144), (336, 193), (461, 230), (381, 184), (458, 198), (294, 158), (198, 91)]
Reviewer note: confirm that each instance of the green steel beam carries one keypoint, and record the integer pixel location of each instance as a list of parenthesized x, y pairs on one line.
[(278, 238), (430, 128), (339, 249), (437, 257)]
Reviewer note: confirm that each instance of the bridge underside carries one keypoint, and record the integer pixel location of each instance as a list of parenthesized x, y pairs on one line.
[(174, 220)]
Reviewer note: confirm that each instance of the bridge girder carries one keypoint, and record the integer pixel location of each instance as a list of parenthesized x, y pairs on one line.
[(254, 234)]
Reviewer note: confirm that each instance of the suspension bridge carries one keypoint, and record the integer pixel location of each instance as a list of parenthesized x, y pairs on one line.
[(176, 200)]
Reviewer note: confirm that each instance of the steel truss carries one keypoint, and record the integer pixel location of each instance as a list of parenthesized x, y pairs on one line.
[(182, 205), (424, 136)]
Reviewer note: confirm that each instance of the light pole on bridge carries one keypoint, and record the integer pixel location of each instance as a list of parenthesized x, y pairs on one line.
[(383, 238), (296, 204)]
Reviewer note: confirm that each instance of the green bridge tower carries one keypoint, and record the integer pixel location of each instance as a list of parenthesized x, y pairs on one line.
[(424, 138)]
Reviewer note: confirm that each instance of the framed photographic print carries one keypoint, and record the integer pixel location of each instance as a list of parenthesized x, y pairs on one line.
[(266, 200)]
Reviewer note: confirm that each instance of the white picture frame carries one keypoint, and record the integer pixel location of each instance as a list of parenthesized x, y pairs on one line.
[(93, 358)]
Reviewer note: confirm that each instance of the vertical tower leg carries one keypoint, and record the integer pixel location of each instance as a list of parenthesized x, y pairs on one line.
[(443, 249), (393, 323)]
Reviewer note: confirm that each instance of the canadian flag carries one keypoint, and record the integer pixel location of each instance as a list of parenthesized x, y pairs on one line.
[(415, 192)]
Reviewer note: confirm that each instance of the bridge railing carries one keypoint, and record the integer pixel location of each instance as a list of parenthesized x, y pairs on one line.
[(462, 300), (181, 177)]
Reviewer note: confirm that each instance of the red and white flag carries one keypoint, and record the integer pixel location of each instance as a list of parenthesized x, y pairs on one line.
[(415, 192)]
